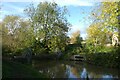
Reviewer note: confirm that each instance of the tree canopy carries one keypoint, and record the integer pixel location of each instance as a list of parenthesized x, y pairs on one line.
[(75, 38), (50, 24), (17, 31), (105, 22)]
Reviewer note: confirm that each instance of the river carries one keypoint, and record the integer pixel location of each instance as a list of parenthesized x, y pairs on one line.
[(74, 69)]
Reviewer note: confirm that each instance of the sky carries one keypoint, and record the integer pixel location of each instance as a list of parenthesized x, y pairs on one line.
[(79, 11)]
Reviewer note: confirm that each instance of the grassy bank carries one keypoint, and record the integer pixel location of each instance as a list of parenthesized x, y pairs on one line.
[(12, 69)]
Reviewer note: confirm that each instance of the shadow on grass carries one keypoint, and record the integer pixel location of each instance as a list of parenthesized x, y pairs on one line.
[(12, 69)]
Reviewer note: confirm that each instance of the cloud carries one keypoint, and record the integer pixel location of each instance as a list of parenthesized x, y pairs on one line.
[(65, 2), (0, 20), (12, 8), (59, 2), (73, 3)]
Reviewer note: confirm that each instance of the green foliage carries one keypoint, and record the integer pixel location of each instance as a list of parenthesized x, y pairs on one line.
[(45, 31), (90, 48), (50, 24), (72, 49), (106, 14), (75, 47), (105, 24), (6, 50), (75, 50), (38, 48), (75, 38), (98, 35), (18, 32), (103, 59)]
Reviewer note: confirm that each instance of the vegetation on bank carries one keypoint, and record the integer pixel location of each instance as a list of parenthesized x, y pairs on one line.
[(106, 59), (100, 49)]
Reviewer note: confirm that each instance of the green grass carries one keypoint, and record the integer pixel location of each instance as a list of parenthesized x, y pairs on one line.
[(12, 69)]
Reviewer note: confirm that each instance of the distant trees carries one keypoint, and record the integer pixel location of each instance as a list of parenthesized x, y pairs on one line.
[(75, 38), (75, 46)]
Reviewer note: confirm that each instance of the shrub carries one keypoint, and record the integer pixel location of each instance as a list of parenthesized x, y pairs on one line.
[(104, 59)]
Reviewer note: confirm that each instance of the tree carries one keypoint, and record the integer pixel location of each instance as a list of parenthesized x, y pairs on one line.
[(8, 29), (105, 23), (108, 15), (98, 34), (75, 38), (16, 34), (50, 25)]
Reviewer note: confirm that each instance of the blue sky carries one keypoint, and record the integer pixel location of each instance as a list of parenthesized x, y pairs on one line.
[(79, 12)]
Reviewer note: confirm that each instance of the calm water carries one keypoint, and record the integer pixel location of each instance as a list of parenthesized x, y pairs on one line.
[(72, 69)]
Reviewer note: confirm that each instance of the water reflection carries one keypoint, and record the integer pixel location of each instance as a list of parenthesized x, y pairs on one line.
[(55, 69), (84, 73), (107, 76)]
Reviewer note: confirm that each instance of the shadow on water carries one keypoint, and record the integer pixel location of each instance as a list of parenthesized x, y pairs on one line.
[(72, 69)]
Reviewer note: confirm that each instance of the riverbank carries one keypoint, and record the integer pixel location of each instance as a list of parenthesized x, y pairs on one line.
[(106, 59), (73, 69), (11, 69), (54, 69), (103, 59), (103, 56)]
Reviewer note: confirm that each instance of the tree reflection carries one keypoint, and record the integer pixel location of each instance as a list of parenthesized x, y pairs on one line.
[(70, 70), (84, 73)]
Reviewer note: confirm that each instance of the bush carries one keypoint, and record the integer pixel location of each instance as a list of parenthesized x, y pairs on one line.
[(72, 50), (104, 59)]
